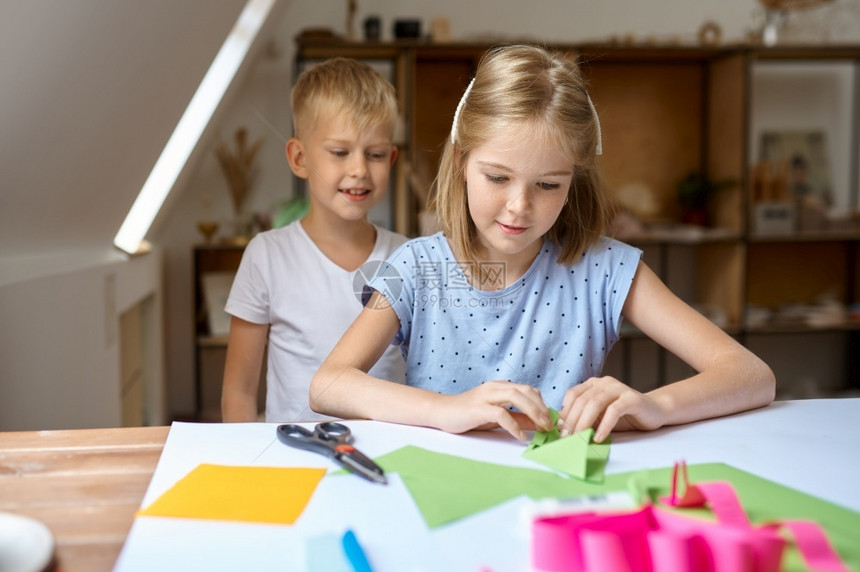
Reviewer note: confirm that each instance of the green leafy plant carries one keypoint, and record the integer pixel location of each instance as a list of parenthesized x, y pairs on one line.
[(695, 193), (291, 210)]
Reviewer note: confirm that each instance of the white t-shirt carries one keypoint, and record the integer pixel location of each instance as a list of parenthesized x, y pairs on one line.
[(309, 301)]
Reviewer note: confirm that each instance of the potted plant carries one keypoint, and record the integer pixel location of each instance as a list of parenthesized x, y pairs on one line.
[(695, 193)]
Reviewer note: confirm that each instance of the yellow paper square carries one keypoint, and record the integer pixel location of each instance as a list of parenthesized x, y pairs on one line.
[(253, 494)]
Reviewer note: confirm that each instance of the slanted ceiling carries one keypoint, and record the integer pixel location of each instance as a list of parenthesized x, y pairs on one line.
[(90, 91)]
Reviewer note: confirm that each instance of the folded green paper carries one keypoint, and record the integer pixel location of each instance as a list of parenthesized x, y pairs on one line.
[(576, 455)]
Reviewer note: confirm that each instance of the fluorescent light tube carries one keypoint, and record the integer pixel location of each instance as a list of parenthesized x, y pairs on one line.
[(190, 127)]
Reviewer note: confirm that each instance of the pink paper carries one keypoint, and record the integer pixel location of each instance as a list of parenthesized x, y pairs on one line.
[(652, 539)]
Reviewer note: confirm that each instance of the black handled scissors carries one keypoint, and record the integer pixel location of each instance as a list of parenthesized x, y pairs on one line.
[(332, 440)]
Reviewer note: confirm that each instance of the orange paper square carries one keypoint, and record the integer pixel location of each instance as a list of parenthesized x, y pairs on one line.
[(274, 495)]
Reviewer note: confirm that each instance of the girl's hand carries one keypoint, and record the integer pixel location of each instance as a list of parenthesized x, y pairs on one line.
[(485, 407), (606, 404)]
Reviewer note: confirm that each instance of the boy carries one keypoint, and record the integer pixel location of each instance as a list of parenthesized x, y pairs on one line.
[(344, 115)]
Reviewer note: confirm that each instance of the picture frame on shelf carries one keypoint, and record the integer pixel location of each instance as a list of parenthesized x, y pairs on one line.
[(800, 158), (216, 289)]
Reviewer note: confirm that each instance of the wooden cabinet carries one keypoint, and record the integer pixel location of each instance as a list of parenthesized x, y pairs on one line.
[(805, 277), (667, 112), (213, 269)]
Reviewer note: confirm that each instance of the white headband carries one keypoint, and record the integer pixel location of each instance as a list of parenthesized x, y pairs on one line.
[(457, 113), (598, 150)]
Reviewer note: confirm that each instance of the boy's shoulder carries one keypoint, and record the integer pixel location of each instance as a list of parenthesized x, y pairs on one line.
[(389, 237), (277, 242), (285, 234), (292, 239)]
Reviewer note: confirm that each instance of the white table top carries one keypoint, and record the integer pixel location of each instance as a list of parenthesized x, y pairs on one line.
[(808, 445)]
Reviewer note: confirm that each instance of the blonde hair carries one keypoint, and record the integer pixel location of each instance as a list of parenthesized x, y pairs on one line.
[(343, 85), (525, 89)]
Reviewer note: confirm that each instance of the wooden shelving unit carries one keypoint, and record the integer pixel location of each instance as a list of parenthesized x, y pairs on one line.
[(210, 349), (666, 111)]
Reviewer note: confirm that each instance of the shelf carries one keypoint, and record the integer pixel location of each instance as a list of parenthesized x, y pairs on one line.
[(630, 332), (212, 341), (204, 415), (614, 51), (803, 329), (317, 50), (222, 245), (619, 53), (683, 235), (824, 236), (811, 53)]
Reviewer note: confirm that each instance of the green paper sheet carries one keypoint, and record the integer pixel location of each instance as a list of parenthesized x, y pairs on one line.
[(576, 455), (447, 488)]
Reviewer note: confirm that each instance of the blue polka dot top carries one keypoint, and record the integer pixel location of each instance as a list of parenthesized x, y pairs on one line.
[(552, 328)]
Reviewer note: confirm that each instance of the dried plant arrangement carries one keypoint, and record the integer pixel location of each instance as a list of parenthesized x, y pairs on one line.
[(238, 166)]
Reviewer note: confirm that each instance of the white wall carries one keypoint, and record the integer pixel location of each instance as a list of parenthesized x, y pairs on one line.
[(60, 352), (90, 91)]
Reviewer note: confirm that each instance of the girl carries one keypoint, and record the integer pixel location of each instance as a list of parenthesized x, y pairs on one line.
[(517, 302)]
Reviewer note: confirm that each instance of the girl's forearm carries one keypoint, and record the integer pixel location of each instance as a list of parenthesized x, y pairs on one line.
[(350, 393), (734, 383)]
